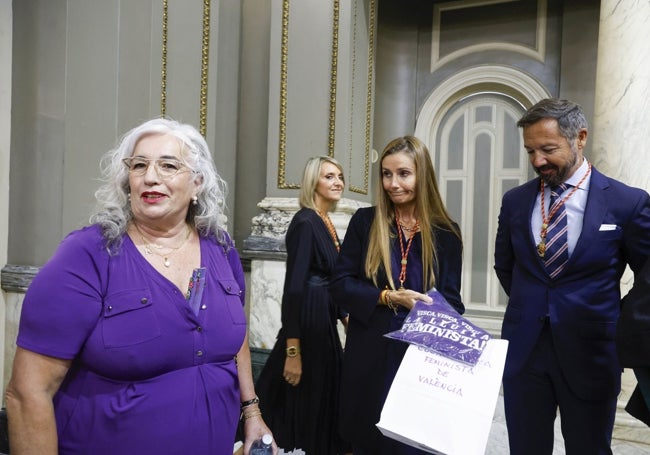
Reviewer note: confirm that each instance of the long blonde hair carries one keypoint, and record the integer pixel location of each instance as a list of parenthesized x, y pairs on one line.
[(430, 210)]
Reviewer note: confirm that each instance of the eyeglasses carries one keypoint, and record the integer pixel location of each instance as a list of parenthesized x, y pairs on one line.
[(165, 168)]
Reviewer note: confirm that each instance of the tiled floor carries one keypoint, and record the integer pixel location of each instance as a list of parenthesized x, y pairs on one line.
[(498, 441)]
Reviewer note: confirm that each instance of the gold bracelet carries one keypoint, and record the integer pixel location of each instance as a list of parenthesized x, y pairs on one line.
[(293, 351), (250, 415), (389, 302), (382, 297)]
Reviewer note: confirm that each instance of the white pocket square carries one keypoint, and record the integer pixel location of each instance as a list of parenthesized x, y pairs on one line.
[(607, 227)]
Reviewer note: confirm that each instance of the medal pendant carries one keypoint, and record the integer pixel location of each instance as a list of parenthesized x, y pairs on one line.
[(541, 249)]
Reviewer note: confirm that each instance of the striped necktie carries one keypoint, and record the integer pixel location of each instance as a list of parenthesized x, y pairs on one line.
[(557, 246)]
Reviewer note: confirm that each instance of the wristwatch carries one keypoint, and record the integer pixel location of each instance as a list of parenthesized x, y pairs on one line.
[(293, 351)]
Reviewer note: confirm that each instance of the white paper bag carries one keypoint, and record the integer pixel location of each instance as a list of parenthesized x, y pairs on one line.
[(444, 406)]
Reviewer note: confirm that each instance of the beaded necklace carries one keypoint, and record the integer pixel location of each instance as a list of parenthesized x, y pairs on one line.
[(413, 228), (541, 247), (330, 228), (405, 253)]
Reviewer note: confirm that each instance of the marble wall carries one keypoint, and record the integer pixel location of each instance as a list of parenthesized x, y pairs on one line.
[(622, 103), (619, 133), (14, 303), (267, 279)]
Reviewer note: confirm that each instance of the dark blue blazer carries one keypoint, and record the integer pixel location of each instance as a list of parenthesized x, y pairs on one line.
[(583, 302), (367, 372)]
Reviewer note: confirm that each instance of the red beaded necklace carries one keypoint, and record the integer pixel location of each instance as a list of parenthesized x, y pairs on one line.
[(330, 228), (541, 247), (405, 253)]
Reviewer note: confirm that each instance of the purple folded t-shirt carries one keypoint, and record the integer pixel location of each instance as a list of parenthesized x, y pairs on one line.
[(438, 327)]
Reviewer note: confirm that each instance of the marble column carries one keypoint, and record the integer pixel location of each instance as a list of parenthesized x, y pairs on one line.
[(266, 250), (622, 101), (620, 130)]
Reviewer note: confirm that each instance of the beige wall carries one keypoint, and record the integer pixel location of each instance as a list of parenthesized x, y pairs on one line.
[(91, 73), (321, 76), (5, 129), (250, 187)]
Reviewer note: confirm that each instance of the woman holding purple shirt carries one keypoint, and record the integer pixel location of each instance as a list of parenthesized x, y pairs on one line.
[(132, 337)]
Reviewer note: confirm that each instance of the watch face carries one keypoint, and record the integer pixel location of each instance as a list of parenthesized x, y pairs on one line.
[(292, 351)]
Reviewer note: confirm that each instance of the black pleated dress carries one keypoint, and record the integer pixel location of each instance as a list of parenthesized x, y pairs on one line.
[(305, 416)]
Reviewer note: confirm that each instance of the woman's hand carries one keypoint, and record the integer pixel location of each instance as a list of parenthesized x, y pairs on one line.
[(254, 429), (293, 370), (407, 298), (293, 362)]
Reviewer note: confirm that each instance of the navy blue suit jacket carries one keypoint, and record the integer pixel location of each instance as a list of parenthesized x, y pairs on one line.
[(583, 302)]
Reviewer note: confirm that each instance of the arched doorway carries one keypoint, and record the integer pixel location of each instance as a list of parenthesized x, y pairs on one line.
[(469, 125)]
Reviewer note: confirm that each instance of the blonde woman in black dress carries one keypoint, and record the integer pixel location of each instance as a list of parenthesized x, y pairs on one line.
[(299, 385)]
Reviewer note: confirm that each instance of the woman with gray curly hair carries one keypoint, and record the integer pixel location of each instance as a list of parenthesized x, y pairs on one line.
[(132, 337)]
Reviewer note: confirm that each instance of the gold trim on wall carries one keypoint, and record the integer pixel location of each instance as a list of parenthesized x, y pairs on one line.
[(163, 71), (205, 52), (284, 53), (282, 155), (333, 78), (282, 143), (538, 52), (369, 93)]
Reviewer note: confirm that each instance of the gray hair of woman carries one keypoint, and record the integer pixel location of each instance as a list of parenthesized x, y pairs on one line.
[(113, 206)]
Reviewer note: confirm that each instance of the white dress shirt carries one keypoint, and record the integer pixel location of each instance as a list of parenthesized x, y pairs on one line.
[(575, 207)]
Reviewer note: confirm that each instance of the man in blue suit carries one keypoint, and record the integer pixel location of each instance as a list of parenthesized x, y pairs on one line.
[(563, 242)]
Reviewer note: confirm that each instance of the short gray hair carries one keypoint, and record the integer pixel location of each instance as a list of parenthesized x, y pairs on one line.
[(569, 115)]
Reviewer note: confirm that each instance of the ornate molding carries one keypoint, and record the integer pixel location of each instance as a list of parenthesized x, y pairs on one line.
[(17, 278), (333, 78), (205, 53), (277, 212), (500, 79), (334, 72), (538, 52), (282, 142), (369, 96), (163, 70), (284, 53)]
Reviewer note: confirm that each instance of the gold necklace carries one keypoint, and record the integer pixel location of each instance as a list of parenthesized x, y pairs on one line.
[(330, 228), (150, 248)]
